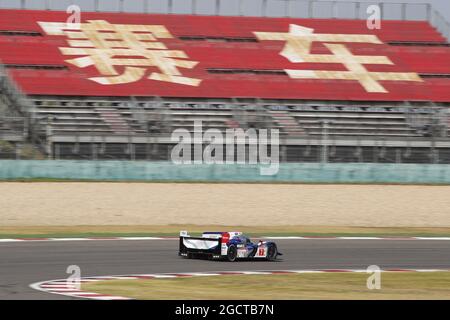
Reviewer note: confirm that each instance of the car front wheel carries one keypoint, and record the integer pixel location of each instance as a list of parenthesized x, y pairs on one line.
[(272, 252)]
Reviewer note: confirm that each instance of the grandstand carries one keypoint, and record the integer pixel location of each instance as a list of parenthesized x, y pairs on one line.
[(357, 95)]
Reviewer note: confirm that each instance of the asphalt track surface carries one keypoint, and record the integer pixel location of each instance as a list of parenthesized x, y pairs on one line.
[(28, 262)]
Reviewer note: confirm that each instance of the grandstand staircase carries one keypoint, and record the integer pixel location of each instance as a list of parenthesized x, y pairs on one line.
[(16, 118), (287, 123), (435, 124), (114, 119)]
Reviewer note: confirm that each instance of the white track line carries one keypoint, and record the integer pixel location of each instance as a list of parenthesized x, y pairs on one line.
[(267, 238), (433, 238)]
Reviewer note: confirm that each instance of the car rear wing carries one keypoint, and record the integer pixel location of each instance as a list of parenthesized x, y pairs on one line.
[(199, 245)]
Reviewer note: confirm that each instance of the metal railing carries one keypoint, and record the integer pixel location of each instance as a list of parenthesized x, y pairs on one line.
[(332, 152)]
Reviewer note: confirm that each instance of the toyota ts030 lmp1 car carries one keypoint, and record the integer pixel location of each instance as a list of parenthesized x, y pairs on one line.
[(229, 246)]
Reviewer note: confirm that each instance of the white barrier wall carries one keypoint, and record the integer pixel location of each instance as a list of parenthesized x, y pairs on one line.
[(166, 171)]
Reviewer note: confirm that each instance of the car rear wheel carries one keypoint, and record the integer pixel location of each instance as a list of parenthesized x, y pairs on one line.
[(232, 253), (272, 252)]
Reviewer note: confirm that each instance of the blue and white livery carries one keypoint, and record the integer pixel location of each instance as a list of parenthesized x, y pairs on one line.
[(229, 246)]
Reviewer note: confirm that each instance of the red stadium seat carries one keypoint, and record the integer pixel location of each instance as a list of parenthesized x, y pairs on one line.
[(228, 67)]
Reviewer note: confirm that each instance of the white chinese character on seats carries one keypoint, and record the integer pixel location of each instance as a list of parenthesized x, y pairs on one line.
[(299, 40), (135, 48)]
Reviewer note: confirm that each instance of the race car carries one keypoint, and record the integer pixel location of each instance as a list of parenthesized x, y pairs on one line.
[(229, 246)]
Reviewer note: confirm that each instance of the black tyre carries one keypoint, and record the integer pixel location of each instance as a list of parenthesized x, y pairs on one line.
[(272, 252), (232, 253)]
